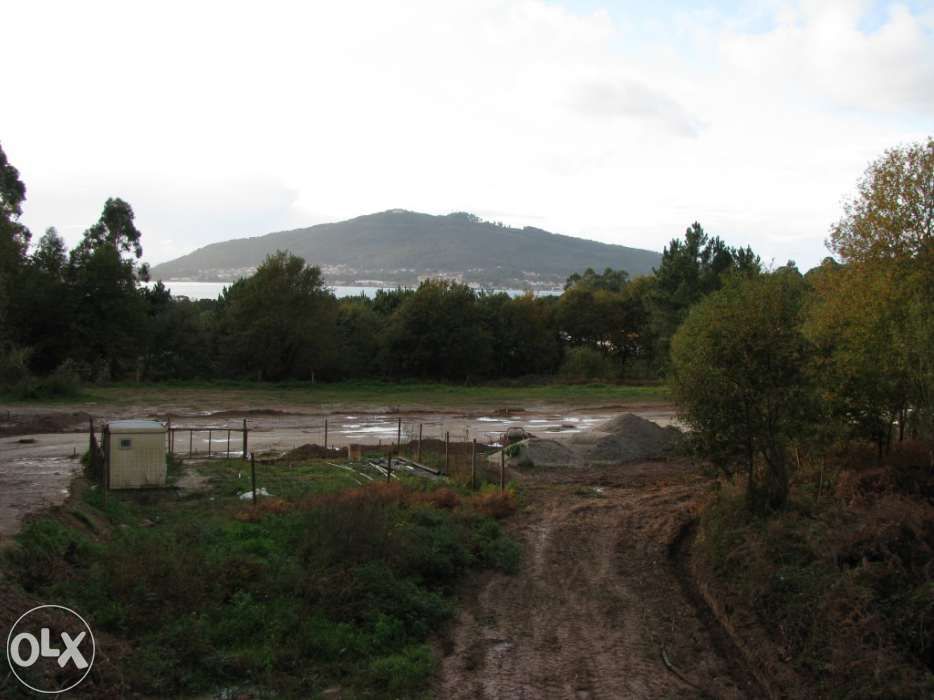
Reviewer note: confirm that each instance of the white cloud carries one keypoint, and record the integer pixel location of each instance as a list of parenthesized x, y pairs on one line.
[(223, 119)]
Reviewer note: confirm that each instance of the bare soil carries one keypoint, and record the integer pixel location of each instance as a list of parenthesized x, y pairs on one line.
[(600, 608), (39, 444)]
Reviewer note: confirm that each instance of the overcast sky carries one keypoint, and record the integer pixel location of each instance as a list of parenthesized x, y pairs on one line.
[(617, 121)]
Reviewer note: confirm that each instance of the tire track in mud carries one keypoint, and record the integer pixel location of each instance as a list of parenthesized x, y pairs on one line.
[(597, 599)]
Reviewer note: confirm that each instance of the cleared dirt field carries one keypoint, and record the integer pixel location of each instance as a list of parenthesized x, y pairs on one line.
[(38, 443), (600, 608)]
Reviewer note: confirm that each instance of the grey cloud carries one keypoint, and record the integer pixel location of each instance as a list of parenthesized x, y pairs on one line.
[(633, 100)]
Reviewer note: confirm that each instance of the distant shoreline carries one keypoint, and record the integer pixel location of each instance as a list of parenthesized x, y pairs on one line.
[(199, 290)]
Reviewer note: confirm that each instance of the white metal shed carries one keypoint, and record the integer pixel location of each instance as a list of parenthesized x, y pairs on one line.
[(135, 454)]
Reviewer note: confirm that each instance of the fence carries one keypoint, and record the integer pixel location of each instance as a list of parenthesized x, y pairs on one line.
[(243, 439)]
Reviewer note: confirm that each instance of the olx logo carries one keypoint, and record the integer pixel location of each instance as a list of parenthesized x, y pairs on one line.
[(50, 649)]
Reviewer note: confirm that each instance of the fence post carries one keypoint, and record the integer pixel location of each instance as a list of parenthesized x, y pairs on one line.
[(244, 438), (105, 441), (447, 452), (169, 428), (210, 435), (473, 466), (228, 443), (389, 470), (399, 437), (502, 469), (92, 446), (191, 439), (325, 433), (253, 475), (418, 450)]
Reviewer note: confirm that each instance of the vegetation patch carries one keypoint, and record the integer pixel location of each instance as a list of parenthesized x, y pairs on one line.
[(324, 584), (840, 578)]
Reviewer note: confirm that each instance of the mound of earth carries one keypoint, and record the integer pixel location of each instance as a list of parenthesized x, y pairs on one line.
[(312, 451), (630, 438), (539, 453)]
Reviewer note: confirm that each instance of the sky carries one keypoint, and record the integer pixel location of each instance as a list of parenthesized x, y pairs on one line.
[(622, 122)]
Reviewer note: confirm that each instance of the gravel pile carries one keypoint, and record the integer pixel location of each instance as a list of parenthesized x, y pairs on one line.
[(549, 453), (629, 438)]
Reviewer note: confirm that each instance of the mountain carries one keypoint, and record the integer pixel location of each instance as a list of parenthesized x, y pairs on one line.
[(401, 247)]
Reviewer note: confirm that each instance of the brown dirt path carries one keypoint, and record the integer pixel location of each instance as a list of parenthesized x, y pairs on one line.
[(598, 604)]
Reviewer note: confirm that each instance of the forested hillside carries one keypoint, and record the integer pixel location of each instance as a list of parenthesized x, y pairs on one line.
[(399, 247)]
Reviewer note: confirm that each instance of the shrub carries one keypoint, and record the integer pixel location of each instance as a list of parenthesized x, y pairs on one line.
[(586, 364), (14, 367), (404, 672)]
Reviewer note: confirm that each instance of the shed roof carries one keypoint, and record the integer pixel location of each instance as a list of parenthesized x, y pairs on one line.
[(136, 426)]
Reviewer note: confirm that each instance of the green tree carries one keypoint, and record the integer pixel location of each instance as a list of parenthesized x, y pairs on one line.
[(108, 306), (42, 310), (873, 317), (179, 336), (359, 329), (891, 215), (14, 240), (280, 323), (691, 269), (740, 378), (610, 280), (523, 334), (438, 333)]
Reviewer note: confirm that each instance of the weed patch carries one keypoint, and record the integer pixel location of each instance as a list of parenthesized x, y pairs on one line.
[(322, 585)]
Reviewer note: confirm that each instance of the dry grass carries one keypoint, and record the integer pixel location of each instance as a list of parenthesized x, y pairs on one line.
[(842, 579)]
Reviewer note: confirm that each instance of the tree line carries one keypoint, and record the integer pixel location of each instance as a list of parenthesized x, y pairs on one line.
[(87, 315), (775, 362)]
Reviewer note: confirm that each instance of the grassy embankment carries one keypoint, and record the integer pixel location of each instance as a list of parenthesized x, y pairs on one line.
[(842, 580), (327, 583), (402, 395)]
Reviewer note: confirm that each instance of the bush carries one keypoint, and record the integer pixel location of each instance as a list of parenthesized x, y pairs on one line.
[(587, 364), (404, 672), (14, 367)]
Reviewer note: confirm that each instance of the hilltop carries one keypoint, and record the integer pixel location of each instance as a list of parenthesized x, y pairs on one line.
[(400, 247)]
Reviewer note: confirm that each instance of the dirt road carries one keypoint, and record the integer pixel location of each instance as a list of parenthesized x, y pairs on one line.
[(598, 605)]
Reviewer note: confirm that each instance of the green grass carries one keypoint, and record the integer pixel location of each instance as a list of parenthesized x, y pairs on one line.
[(324, 585), (402, 395)]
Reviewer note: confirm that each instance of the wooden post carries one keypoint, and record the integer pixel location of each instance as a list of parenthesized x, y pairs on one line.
[(105, 442), (325, 433), (389, 470), (502, 469), (447, 452), (244, 438), (92, 447), (169, 428), (418, 451), (253, 475), (228, 443), (399, 437), (473, 466), (210, 435), (191, 438)]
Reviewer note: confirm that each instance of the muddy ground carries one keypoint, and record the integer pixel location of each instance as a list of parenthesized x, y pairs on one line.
[(39, 445), (602, 606)]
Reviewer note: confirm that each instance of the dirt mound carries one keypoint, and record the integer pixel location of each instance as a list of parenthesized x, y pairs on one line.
[(629, 438), (312, 451), (549, 453)]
